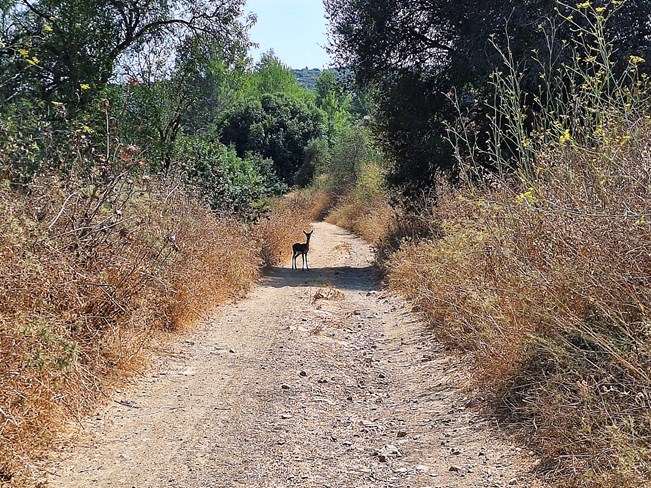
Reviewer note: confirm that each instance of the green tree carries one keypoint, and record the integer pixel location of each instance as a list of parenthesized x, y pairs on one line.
[(74, 46), (269, 76), (162, 102), (332, 98), (276, 127), (230, 183), (413, 54)]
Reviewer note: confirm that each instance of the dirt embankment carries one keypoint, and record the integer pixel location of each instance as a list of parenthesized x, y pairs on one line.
[(316, 379)]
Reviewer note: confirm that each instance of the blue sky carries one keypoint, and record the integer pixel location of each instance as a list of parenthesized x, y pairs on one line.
[(294, 29)]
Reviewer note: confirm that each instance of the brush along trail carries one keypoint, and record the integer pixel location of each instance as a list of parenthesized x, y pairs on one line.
[(317, 379)]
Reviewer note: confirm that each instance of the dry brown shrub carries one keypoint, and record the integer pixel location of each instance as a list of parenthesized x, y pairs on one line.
[(276, 233), (370, 218), (219, 261), (549, 286), (88, 275), (320, 203)]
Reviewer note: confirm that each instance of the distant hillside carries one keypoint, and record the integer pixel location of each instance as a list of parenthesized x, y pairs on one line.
[(307, 76)]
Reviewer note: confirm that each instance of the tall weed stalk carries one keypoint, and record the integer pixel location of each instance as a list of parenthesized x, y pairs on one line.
[(541, 268)]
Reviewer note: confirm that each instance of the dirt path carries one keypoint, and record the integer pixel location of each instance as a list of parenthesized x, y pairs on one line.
[(304, 383)]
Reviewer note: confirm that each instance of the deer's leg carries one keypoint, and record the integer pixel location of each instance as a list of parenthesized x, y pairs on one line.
[(306, 265)]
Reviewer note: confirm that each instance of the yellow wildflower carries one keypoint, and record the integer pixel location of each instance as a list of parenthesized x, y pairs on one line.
[(84, 86), (636, 59), (527, 197), (47, 28), (23, 52), (583, 5), (565, 137), (33, 61)]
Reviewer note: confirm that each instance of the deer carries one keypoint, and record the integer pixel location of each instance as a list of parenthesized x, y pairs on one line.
[(302, 249)]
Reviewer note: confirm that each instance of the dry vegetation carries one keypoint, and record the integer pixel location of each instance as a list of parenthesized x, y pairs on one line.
[(89, 274), (549, 287), (283, 227), (364, 209)]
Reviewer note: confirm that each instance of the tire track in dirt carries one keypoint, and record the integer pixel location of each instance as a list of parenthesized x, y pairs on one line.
[(317, 379)]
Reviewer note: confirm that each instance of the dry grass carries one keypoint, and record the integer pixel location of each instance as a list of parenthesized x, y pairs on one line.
[(364, 208), (371, 219), (549, 286), (289, 216), (89, 274)]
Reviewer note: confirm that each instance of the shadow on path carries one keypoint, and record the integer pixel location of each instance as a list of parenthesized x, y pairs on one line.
[(343, 278)]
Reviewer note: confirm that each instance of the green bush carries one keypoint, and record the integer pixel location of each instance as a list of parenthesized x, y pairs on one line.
[(230, 183), (276, 127)]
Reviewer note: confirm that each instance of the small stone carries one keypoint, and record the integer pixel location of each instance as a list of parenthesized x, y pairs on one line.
[(455, 469), (232, 351), (388, 451), (285, 386), (513, 481), (455, 451), (401, 433), (422, 468), (302, 373), (322, 381), (286, 416)]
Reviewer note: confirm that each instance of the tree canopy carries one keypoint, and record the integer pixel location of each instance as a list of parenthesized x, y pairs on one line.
[(68, 49), (414, 54), (275, 126)]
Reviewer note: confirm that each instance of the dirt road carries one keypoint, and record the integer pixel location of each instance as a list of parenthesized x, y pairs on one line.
[(316, 380)]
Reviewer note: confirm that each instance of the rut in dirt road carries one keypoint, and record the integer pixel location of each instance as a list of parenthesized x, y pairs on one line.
[(316, 379)]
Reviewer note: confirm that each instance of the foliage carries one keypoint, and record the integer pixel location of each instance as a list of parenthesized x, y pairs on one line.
[(231, 184), (271, 76), (276, 127), (72, 47), (541, 273), (411, 54), (160, 102), (307, 77), (351, 151), (574, 99), (332, 98)]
